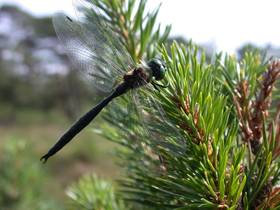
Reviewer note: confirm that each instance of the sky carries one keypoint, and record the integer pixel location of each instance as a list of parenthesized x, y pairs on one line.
[(226, 23)]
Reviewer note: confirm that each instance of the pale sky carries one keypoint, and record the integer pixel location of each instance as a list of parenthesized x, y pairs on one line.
[(226, 23)]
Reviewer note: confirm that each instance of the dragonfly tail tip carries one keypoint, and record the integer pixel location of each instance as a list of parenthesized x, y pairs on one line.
[(44, 158)]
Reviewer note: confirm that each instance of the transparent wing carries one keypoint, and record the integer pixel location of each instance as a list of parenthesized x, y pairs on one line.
[(93, 16), (143, 119), (93, 50), (141, 124), (161, 130)]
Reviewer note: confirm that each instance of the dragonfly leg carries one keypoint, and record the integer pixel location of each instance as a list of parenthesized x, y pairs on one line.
[(157, 85)]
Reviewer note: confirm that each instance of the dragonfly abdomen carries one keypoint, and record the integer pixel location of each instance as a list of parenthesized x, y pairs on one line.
[(84, 121)]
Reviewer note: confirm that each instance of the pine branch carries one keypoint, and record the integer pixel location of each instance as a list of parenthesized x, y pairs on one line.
[(258, 130), (133, 25), (186, 151)]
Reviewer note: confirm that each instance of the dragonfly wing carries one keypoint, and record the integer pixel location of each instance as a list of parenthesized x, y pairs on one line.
[(92, 16), (90, 52), (161, 130)]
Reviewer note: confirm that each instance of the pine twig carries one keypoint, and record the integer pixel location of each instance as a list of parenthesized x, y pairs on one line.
[(252, 113)]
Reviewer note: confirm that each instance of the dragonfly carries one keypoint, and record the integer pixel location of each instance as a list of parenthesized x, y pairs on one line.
[(97, 52)]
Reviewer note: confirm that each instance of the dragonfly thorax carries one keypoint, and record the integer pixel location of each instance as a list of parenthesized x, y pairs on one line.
[(145, 73), (137, 77)]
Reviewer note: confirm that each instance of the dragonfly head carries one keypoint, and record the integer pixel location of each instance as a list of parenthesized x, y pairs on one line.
[(158, 68)]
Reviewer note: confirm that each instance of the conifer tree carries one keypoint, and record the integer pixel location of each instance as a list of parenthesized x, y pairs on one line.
[(210, 140)]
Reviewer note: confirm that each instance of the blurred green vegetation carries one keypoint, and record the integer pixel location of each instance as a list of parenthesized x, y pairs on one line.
[(21, 146), (92, 192), (23, 179), (40, 96)]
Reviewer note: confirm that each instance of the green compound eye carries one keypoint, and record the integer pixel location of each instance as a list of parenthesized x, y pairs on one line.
[(158, 68)]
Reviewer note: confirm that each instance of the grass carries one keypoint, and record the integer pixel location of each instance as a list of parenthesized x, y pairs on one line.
[(86, 154)]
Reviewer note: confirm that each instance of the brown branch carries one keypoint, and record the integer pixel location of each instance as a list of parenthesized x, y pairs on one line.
[(263, 100), (275, 123), (252, 113), (196, 134)]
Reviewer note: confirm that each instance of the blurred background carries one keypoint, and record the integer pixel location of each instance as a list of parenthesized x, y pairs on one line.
[(41, 94), (40, 97)]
